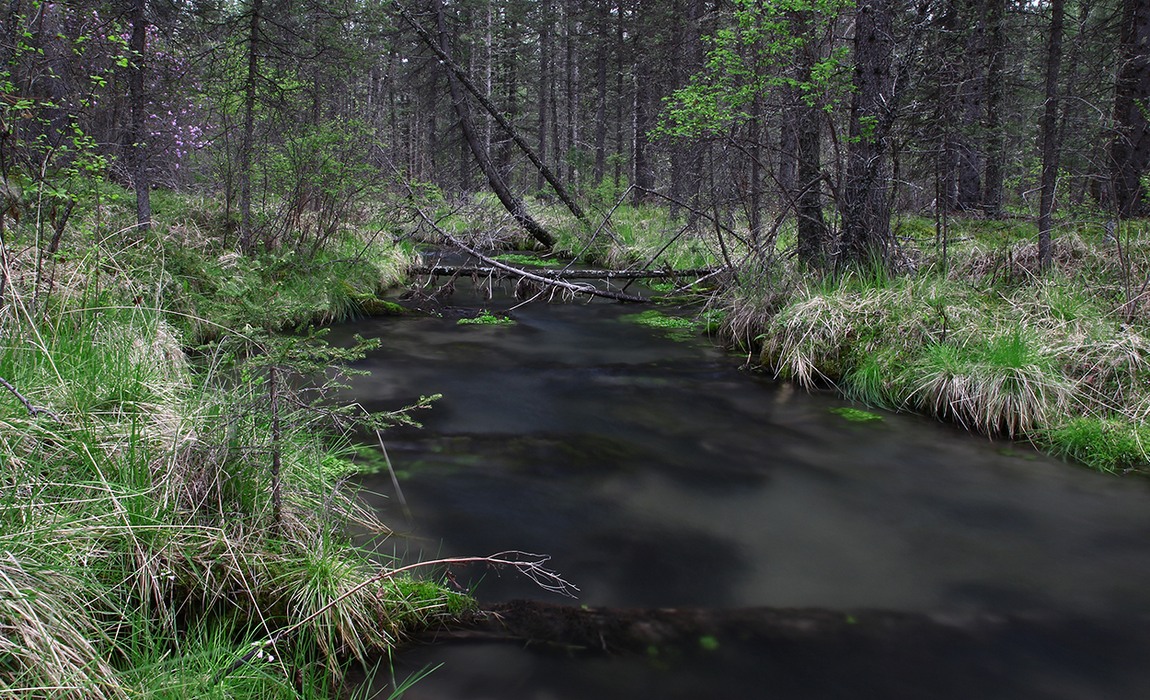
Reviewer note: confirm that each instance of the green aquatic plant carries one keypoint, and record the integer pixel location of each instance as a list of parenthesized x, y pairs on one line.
[(524, 259), (675, 327), (486, 319), (855, 415)]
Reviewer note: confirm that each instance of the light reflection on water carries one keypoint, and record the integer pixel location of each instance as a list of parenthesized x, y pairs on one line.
[(657, 474)]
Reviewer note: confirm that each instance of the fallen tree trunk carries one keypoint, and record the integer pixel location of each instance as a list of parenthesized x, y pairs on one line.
[(615, 631), (453, 270), (588, 289)]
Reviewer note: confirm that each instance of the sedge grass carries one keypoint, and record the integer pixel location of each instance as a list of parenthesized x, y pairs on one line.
[(984, 341), (138, 553)]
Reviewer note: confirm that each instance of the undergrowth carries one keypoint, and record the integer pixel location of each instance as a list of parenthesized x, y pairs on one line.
[(177, 524)]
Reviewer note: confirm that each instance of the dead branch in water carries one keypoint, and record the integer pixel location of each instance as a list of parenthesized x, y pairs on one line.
[(454, 270)]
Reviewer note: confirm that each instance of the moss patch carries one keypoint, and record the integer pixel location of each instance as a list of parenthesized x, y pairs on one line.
[(855, 415), (675, 327), (486, 319)]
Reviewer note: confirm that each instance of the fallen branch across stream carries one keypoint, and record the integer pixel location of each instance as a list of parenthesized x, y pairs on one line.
[(453, 270), (588, 289)]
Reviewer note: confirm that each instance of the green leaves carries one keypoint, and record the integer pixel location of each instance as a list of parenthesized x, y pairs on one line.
[(759, 52)]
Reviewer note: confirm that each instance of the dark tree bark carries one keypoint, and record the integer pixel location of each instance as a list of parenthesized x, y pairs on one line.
[(571, 83), (545, 79), (1050, 145), (995, 88), (866, 235), (812, 230), (643, 173), (135, 138), (1130, 149), (968, 159), (603, 23), (510, 202), (620, 73), (247, 139)]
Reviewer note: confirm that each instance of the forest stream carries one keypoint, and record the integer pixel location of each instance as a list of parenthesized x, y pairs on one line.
[(658, 474)]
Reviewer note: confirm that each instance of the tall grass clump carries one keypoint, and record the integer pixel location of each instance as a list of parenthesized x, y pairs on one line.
[(1005, 385)]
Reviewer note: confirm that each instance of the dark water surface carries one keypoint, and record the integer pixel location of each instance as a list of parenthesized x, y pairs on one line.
[(658, 474)]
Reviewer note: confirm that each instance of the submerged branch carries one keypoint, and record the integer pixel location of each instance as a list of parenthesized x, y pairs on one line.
[(822, 632)]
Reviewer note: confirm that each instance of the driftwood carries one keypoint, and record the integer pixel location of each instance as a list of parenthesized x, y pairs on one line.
[(620, 631), (454, 270)]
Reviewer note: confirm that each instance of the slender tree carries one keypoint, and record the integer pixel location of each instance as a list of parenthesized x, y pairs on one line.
[(1050, 140), (135, 136)]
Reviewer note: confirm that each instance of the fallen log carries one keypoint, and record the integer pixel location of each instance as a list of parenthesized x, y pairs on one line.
[(534, 276), (486, 270), (619, 631)]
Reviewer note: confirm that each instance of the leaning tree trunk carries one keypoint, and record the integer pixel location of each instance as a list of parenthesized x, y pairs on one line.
[(1130, 150), (865, 206), (511, 203), (460, 79)]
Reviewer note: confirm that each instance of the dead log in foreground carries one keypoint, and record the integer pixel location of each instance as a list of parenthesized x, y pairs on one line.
[(637, 631)]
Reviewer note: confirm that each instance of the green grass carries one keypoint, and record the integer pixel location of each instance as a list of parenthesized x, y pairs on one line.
[(1106, 444), (856, 415), (1058, 359), (141, 553)]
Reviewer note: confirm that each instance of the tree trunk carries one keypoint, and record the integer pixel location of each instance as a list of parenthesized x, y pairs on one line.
[(1050, 145), (620, 57), (247, 142), (1130, 149), (574, 114), (136, 146), (510, 202), (545, 64), (811, 229), (866, 234), (995, 88), (603, 31)]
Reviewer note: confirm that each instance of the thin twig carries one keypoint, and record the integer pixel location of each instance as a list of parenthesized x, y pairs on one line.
[(33, 410)]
